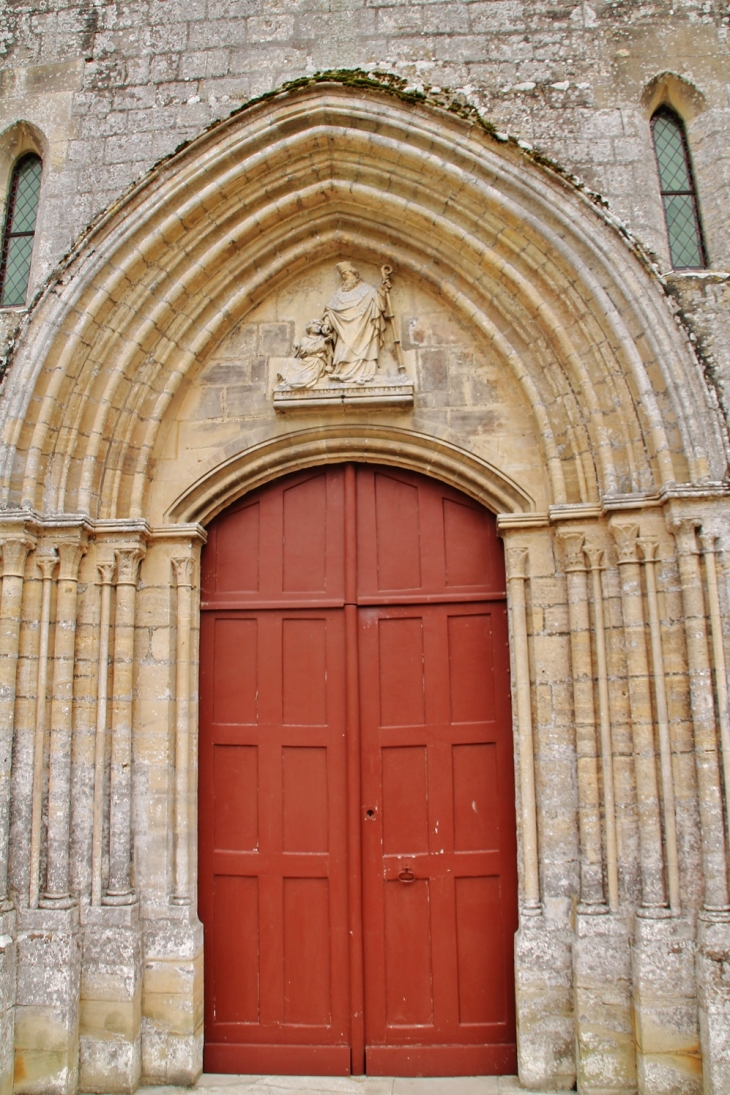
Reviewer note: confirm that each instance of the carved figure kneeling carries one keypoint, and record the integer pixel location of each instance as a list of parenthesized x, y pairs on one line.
[(312, 359)]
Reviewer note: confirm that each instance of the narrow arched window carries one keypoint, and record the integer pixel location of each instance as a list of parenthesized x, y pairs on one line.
[(20, 218), (678, 191)]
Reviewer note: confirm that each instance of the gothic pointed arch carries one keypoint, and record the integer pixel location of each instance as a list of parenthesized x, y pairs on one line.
[(551, 291)]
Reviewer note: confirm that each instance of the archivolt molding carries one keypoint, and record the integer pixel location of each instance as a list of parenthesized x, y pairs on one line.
[(221, 484), (618, 400)]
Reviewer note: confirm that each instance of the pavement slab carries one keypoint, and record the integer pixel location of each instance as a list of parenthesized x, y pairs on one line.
[(213, 1084)]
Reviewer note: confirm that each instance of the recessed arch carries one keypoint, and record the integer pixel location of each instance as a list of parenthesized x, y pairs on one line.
[(219, 486), (554, 292)]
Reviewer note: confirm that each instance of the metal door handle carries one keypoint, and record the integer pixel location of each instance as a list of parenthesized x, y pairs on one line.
[(407, 875)]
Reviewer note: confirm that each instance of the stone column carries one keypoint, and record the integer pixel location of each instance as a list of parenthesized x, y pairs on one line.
[(172, 991), (653, 895), (595, 558), (47, 561), (106, 570), (591, 865), (48, 939), (648, 550), (713, 925), (111, 983), (57, 891), (712, 821), (183, 568), (545, 1040), (119, 891), (605, 1042), (14, 555), (516, 578)]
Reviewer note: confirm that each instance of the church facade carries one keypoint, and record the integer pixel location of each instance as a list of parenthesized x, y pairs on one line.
[(364, 502)]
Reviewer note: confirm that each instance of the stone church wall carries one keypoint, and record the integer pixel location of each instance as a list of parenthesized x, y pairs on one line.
[(561, 373)]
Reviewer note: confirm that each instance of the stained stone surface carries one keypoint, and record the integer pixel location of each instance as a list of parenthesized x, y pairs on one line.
[(498, 155)]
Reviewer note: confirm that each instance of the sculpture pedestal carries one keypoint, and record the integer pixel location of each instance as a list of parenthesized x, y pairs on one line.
[(394, 393)]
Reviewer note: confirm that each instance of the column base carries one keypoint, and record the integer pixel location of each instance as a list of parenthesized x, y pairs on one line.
[(110, 1042), (8, 973), (604, 1023), (665, 1007), (713, 990), (172, 999), (47, 1011), (544, 998)]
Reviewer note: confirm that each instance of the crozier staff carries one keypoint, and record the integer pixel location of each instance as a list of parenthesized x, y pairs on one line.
[(356, 317)]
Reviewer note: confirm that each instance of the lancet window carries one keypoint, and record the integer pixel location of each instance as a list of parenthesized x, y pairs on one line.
[(20, 222), (679, 194)]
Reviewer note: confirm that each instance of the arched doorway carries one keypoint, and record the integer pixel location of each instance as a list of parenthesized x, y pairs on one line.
[(357, 834)]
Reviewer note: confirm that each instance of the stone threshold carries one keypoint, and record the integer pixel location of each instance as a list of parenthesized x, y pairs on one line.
[(211, 1083)]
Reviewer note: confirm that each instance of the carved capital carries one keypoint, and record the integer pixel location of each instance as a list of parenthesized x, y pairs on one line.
[(183, 569), (625, 534), (70, 555), (128, 560), (684, 529), (595, 556), (648, 550), (47, 561), (15, 554), (106, 572), (573, 542), (516, 560), (708, 542)]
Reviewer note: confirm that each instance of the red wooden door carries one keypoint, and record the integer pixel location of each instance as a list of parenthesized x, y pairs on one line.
[(356, 787), (439, 883)]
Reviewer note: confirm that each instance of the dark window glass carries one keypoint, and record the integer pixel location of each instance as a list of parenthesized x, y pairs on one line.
[(678, 191), (25, 188)]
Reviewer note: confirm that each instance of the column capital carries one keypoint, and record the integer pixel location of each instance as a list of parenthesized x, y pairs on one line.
[(648, 550), (684, 529), (15, 551), (595, 556), (70, 553), (183, 569), (572, 541), (46, 559), (128, 558), (708, 542), (626, 534)]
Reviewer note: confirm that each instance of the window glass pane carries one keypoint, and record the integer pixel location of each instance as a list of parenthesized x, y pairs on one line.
[(673, 169), (26, 196), (17, 271), (684, 242)]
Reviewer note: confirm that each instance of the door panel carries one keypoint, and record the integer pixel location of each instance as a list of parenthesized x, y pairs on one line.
[(281, 545), (273, 839), (438, 852), (422, 630)]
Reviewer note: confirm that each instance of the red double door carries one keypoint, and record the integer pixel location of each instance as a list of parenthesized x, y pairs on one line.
[(357, 833)]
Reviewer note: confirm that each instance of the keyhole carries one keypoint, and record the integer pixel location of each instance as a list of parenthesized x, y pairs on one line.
[(370, 813)]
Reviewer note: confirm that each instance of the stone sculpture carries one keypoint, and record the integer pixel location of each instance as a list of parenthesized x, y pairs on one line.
[(343, 347)]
